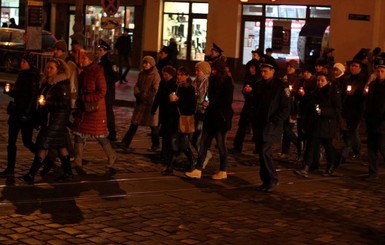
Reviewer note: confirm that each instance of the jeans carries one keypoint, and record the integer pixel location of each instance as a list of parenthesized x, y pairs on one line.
[(207, 138)]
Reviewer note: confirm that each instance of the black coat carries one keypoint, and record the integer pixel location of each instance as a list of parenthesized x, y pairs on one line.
[(54, 115), (325, 124), (24, 93), (219, 112), (375, 108), (353, 104), (111, 77), (185, 105), (272, 108)]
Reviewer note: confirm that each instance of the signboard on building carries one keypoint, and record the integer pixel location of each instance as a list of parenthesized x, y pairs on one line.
[(110, 6), (363, 17), (34, 25), (111, 22)]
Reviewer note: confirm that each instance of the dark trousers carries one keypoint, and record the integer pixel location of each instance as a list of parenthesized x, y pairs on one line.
[(16, 125), (111, 121), (267, 171), (352, 142), (123, 60), (206, 140), (376, 143), (312, 151), (244, 124), (289, 136), (127, 139)]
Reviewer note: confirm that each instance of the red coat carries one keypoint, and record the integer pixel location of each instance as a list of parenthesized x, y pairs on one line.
[(92, 87)]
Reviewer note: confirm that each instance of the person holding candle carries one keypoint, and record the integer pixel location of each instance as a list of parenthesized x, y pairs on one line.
[(54, 110), (353, 100), (21, 110)]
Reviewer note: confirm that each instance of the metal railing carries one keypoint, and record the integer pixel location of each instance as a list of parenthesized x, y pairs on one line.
[(42, 59)]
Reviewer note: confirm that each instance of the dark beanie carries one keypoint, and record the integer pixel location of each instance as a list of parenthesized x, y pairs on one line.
[(170, 70), (31, 59)]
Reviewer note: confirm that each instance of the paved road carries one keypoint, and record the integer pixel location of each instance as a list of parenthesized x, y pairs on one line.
[(136, 205)]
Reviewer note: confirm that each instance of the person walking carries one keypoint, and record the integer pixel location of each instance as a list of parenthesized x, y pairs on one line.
[(144, 91), (111, 78), (321, 117), (375, 119), (273, 107), (54, 110), (90, 118), (217, 119), (123, 45), (182, 102), (22, 110)]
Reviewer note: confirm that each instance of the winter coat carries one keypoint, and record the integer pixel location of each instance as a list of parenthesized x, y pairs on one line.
[(375, 108), (54, 115), (219, 113), (272, 108), (325, 124), (24, 94), (162, 102), (303, 100), (353, 104), (111, 77), (92, 88), (123, 45), (145, 90), (185, 105)]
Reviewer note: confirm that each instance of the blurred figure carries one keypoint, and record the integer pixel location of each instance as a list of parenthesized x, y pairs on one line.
[(111, 77), (182, 102), (144, 91), (166, 87), (164, 59), (54, 110), (217, 119), (91, 123), (268, 58), (123, 45), (12, 23), (339, 77), (173, 52), (75, 51), (201, 85), (273, 107), (321, 118), (22, 110), (216, 53), (375, 119)]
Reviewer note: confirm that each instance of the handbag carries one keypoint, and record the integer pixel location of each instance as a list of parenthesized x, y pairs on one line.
[(91, 106), (186, 124)]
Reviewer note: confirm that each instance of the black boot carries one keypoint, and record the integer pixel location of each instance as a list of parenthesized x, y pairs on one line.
[(126, 141), (329, 171), (170, 166), (66, 166), (190, 158), (47, 166), (10, 169), (29, 178), (154, 138)]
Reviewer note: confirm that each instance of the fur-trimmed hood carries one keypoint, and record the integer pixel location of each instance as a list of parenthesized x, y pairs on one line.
[(63, 73)]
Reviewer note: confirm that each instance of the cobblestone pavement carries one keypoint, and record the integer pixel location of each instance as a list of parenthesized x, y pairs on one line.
[(137, 205)]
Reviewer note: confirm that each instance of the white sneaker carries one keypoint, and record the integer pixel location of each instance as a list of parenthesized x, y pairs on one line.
[(209, 155), (195, 174), (220, 175)]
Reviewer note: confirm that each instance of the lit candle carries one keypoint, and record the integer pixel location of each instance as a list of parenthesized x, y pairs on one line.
[(41, 100), (290, 87), (301, 91), (366, 89), (7, 87), (349, 88)]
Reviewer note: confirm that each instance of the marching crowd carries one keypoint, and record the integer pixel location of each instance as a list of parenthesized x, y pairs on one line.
[(73, 100)]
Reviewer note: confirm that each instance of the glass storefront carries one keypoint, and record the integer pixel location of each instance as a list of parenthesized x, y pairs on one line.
[(100, 26), (9, 9), (187, 23), (277, 27)]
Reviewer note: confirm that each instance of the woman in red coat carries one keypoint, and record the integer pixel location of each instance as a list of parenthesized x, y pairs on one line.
[(91, 122)]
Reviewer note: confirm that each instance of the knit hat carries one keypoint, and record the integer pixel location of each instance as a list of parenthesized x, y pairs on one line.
[(31, 59), (170, 70), (204, 67), (340, 67), (149, 59), (293, 64), (61, 44)]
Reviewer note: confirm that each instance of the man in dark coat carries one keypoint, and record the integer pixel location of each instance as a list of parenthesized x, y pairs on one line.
[(375, 118), (123, 45), (111, 77), (272, 108)]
